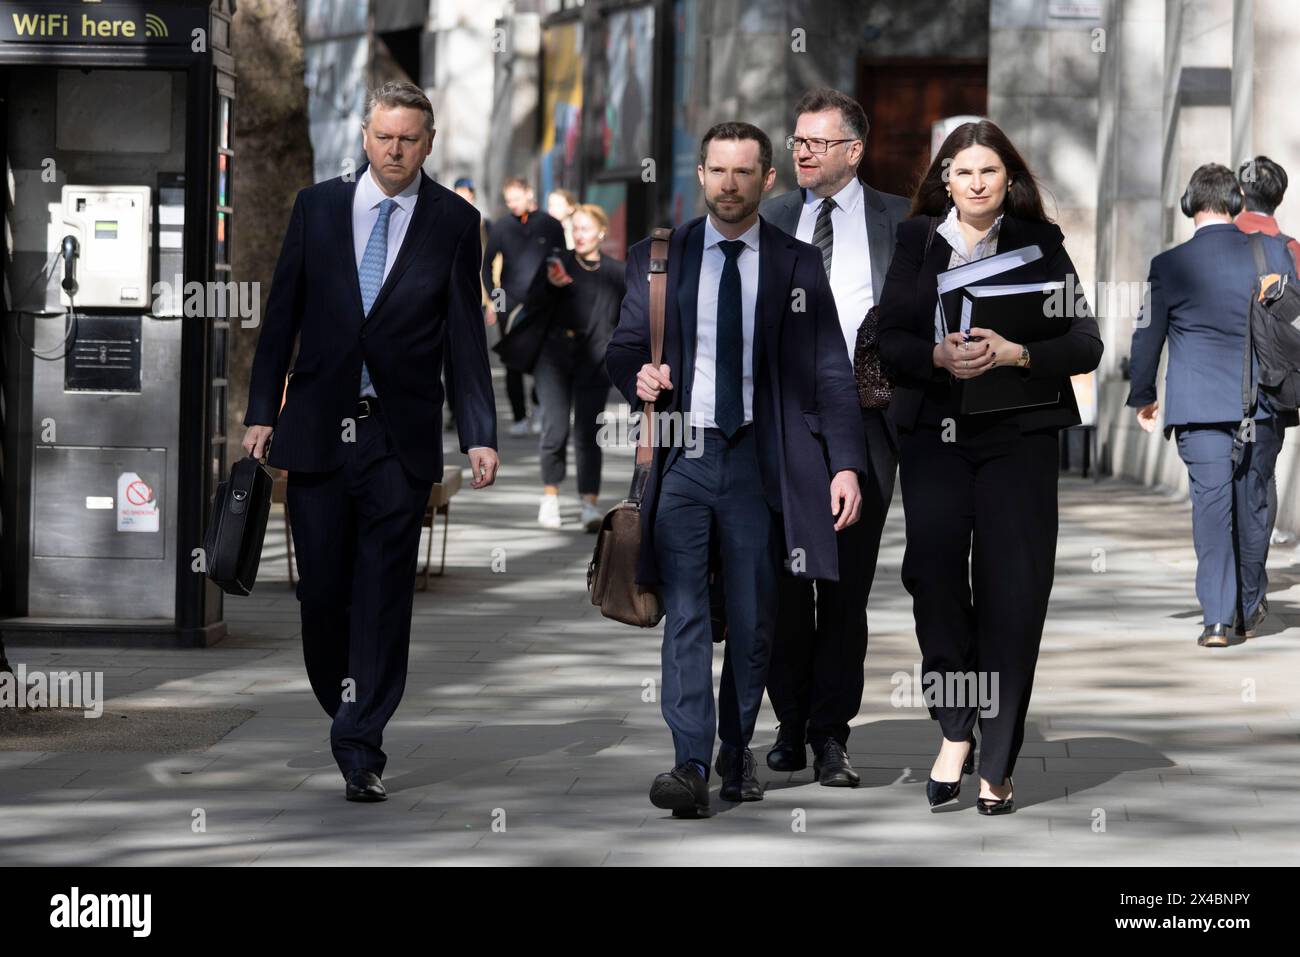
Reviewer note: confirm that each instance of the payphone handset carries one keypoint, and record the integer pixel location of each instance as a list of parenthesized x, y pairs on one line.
[(112, 226)]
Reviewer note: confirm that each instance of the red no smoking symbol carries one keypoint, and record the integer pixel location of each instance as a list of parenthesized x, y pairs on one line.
[(137, 493)]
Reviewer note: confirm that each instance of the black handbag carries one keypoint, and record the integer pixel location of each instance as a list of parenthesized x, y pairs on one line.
[(874, 386), (232, 546), (522, 338)]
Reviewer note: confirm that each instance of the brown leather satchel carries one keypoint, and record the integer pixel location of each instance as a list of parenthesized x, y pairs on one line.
[(611, 576), (874, 388)]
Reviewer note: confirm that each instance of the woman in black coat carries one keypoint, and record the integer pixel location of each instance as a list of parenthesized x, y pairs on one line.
[(582, 290), (979, 490)]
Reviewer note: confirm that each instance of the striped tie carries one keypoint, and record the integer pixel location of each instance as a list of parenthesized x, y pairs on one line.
[(370, 274), (824, 233)]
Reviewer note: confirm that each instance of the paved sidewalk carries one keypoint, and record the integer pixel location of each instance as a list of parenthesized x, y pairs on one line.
[(525, 735)]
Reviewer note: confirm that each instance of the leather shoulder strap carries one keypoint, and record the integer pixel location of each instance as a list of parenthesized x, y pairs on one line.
[(658, 302), (1257, 247)]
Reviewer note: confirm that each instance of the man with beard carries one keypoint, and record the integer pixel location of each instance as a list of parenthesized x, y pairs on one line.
[(754, 361), (815, 681)]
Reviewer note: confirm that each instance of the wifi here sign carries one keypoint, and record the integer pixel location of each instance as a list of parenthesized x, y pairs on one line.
[(98, 23)]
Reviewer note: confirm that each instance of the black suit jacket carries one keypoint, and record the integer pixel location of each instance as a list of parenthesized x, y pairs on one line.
[(806, 421), (429, 304), (907, 321), (883, 212)]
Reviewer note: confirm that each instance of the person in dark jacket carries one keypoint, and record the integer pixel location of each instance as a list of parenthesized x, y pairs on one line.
[(1199, 301), (979, 491), (377, 282), (582, 292), (523, 240), (815, 682), (757, 376)]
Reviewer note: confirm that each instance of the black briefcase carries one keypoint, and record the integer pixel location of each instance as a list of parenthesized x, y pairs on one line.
[(233, 545)]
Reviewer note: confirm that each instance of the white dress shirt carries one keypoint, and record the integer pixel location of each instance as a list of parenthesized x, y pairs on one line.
[(365, 213), (950, 230), (850, 256), (704, 385)]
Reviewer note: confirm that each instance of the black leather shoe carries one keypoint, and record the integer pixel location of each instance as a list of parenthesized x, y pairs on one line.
[(742, 784), (1218, 636), (790, 753), (832, 767), (1006, 805), (682, 790), (1254, 621), (941, 792), (364, 785)]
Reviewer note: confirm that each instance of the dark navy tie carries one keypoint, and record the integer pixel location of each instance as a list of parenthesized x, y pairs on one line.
[(729, 359)]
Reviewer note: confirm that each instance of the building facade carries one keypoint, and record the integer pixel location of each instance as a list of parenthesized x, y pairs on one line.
[(1113, 103)]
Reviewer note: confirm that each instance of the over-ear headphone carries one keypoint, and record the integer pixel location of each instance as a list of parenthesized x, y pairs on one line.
[(1236, 202)]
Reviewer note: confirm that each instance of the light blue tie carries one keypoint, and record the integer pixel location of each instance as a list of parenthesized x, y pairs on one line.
[(370, 274)]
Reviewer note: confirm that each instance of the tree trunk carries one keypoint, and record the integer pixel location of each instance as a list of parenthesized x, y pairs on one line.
[(273, 160)]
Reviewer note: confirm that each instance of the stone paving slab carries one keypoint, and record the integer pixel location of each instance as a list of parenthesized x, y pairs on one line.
[(529, 731)]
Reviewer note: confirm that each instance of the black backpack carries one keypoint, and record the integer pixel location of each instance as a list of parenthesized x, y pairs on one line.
[(1273, 337)]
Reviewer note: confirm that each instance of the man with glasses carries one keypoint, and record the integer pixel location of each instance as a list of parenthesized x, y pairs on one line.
[(815, 680)]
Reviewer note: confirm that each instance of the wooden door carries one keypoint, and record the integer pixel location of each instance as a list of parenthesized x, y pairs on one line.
[(903, 97)]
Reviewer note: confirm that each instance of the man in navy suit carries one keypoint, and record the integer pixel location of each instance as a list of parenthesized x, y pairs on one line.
[(815, 681), (754, 361), (1200, 300), (378, 279)]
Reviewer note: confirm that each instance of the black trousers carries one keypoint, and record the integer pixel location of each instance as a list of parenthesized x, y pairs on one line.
[(815, 681), (514, 385), (356, 535), (981, 516), (567, 381)]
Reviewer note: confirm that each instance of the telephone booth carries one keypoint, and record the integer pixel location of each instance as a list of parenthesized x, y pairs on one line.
[(116, 134)]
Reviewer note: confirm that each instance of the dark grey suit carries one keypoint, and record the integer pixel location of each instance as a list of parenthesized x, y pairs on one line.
[(815, 679)]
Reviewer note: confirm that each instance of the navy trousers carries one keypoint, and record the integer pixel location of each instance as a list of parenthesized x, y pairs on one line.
[(356, 535), (720, 490), (1231, 521)]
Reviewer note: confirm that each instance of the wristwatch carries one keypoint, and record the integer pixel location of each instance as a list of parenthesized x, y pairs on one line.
[(1023, 361)]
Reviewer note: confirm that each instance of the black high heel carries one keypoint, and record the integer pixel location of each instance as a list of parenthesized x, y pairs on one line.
[(941, 792), (1006, 805)]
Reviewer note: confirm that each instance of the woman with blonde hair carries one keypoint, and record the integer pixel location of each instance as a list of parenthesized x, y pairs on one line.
[(561, 204), (582, 292)]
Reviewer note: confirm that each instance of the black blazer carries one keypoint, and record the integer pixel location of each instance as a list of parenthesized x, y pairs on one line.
[(806, 420), (883, 213), (907, 321), (429, 304)]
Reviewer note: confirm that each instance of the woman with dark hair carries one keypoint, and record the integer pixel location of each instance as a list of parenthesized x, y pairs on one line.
[(979, 490)]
